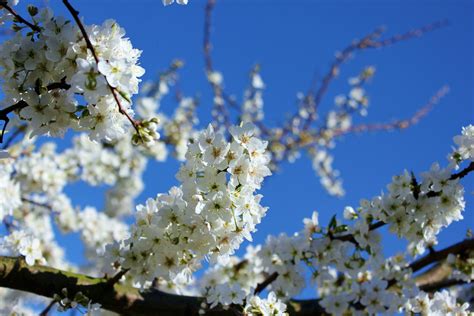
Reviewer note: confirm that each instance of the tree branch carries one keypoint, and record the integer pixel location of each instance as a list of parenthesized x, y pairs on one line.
[(269, 280), (436, 256), (436, 286), (368, 41), (18, 17), (118, 298), (461, 174), (4, 115), (398, 124)]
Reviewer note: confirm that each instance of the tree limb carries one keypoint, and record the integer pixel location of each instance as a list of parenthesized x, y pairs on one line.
[(119, 298), (436, 256)]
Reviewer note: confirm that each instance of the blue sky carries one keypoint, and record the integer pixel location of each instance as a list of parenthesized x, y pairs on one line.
[(292, 40)]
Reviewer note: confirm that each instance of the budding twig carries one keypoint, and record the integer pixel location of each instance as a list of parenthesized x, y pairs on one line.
[(399, 124), (18, 17)]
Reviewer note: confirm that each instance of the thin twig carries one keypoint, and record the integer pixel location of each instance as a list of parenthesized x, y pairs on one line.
[(207, 47), (399, 124), (369, 41), (48, 308), (4, 115), (18, 17)]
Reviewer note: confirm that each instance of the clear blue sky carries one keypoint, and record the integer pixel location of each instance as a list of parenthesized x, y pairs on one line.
[(293, 39)]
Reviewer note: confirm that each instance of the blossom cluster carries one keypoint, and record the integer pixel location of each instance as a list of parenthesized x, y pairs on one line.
[(36, 180), (10, 197), (168, 2), (442, 303), (252, 105), (210, 214), (346, 260), (231, 281), (65, 84), (257, 306), (465, 146)]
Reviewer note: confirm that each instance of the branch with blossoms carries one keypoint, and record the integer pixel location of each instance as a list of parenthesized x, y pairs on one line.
[(126, 300), (299, 133), (63, 75), (344, 258), (72, 68)]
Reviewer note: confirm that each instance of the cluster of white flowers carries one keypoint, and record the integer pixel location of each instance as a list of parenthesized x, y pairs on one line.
[(231, 281), (271, 306), (252, 106), (463, 266), (209, 215), (52, 70), (20, 243), (10, 197), (168, 2), (441, 303), (465, 145), (36, 180), (329, 177), (57, 82), (336, 122), (97, 230), (346, 261), (14, 303), (43, 171)]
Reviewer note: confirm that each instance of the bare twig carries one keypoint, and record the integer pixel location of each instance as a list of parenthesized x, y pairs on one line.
[(216, 88), (368, 41), (399, 124)]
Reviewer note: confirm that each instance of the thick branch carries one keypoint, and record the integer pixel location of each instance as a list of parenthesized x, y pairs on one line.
[(122, 299), (436, 256), (436, 286), (437, 278)]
